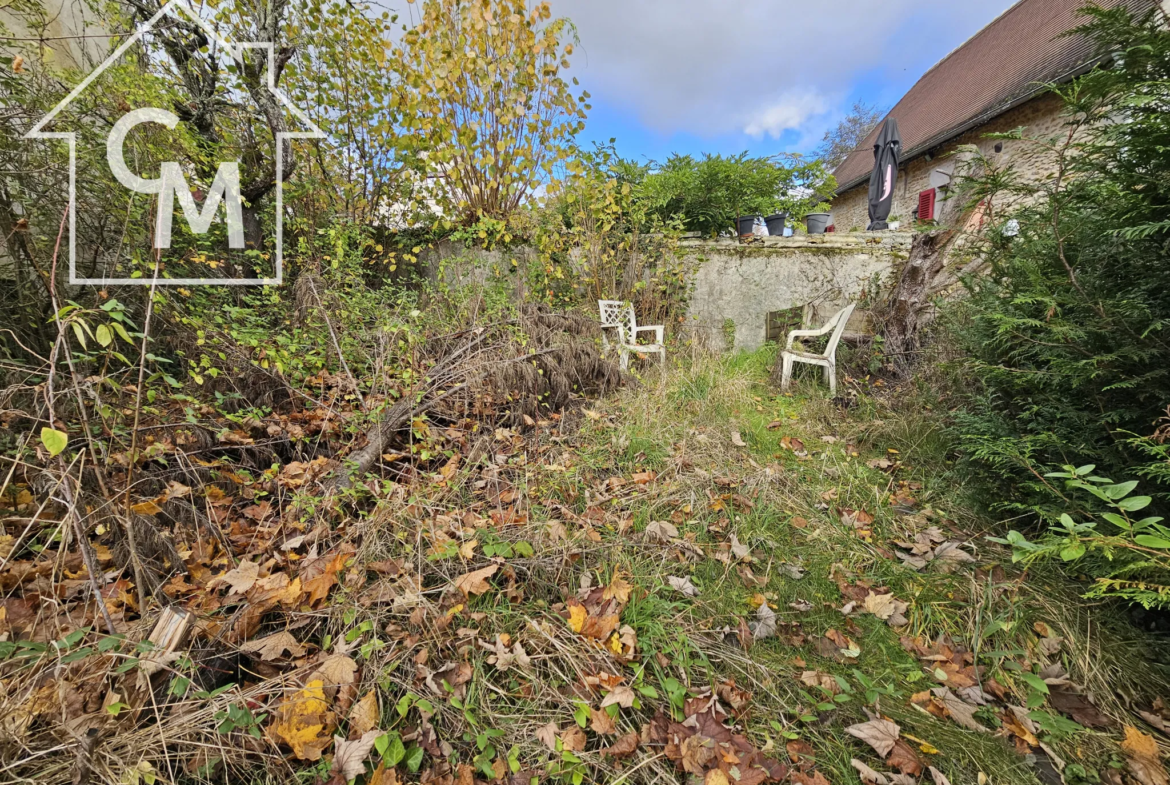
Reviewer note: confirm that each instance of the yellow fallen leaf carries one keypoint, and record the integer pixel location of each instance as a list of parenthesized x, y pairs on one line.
[(1144, 758), (150, 507), (716, 777), (618, 589), (303, 722), (577, 616)]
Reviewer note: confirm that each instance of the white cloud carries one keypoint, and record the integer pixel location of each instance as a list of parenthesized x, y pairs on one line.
[(789, 112), (713, 67)]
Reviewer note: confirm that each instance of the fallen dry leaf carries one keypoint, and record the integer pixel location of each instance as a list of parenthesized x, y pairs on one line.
[(618, 589), (960, 712), (905, 759), (880, 734), (822, 680), (364, 715), (623, 747), (856, 519), (683, 585), (242, 578), (504, 658), (662, 531), (600, 722), (349, 757), (872, 777), (548, 736), (716, 777), (887, 608), (808, 778), (476, 583), (765, 624), (274, 646), (621, 695), (938, 777), (335, 671), (1141, 753), (573, 739)]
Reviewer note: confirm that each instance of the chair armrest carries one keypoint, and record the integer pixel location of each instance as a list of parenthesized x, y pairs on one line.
[(657, 333), (806, 334)]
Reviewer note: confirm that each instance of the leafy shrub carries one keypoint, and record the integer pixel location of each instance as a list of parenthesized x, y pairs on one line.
[(710, 193), (600, 238), (1067, 333), (1126, 557)]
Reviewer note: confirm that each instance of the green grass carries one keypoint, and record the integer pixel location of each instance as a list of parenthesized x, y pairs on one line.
[(692, 448), (682, 425)]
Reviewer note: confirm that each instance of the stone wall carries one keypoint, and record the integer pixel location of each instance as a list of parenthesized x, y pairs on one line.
[(1041, 118), (737, 286), (72, 35)]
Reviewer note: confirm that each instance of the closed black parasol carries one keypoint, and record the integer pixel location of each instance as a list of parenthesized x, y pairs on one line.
[(886, 151)]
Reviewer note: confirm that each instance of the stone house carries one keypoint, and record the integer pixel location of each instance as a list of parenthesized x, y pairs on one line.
[(995, 82)]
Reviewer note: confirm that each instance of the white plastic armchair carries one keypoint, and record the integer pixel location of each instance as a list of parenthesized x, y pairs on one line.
[(618, 317), (828, 360)]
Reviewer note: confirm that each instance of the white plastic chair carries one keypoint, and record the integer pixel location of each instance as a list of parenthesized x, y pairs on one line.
[(828, 360), (618, 316)]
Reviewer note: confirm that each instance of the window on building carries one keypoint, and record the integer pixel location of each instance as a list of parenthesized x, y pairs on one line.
[(926, 205)]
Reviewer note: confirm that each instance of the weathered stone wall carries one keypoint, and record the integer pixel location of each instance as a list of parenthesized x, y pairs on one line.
[(1041, 118), (71, 38), (737, 286)]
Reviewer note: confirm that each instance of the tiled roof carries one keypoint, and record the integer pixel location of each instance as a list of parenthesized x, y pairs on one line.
[(1003, 64)]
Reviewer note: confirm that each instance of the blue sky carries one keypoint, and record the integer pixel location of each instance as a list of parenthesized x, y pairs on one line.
[(768, 76)]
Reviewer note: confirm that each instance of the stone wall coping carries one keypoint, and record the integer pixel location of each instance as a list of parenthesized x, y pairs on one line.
[(842, 240)]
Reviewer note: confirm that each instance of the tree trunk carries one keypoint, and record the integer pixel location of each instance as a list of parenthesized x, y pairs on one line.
[(910, 300)]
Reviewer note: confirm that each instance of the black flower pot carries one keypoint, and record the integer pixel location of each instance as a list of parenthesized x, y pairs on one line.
[(817, 222), (745, 224), (776, 224)]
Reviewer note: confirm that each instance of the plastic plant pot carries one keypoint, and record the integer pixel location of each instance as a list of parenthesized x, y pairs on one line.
[(745, 224), (776, 224), (817, 222)]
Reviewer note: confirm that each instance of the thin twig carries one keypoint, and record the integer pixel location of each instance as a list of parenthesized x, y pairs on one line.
[(128, 521)]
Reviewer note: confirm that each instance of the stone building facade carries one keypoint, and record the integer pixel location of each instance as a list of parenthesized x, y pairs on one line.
[(996, 82), (1041, 119)]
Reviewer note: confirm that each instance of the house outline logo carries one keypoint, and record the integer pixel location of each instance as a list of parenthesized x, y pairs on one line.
[(234, 52)]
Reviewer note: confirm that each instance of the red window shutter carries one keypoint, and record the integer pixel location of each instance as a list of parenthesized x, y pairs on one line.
[(926, 205)]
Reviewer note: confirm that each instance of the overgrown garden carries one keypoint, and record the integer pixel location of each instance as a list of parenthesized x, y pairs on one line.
[(380, 524)]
